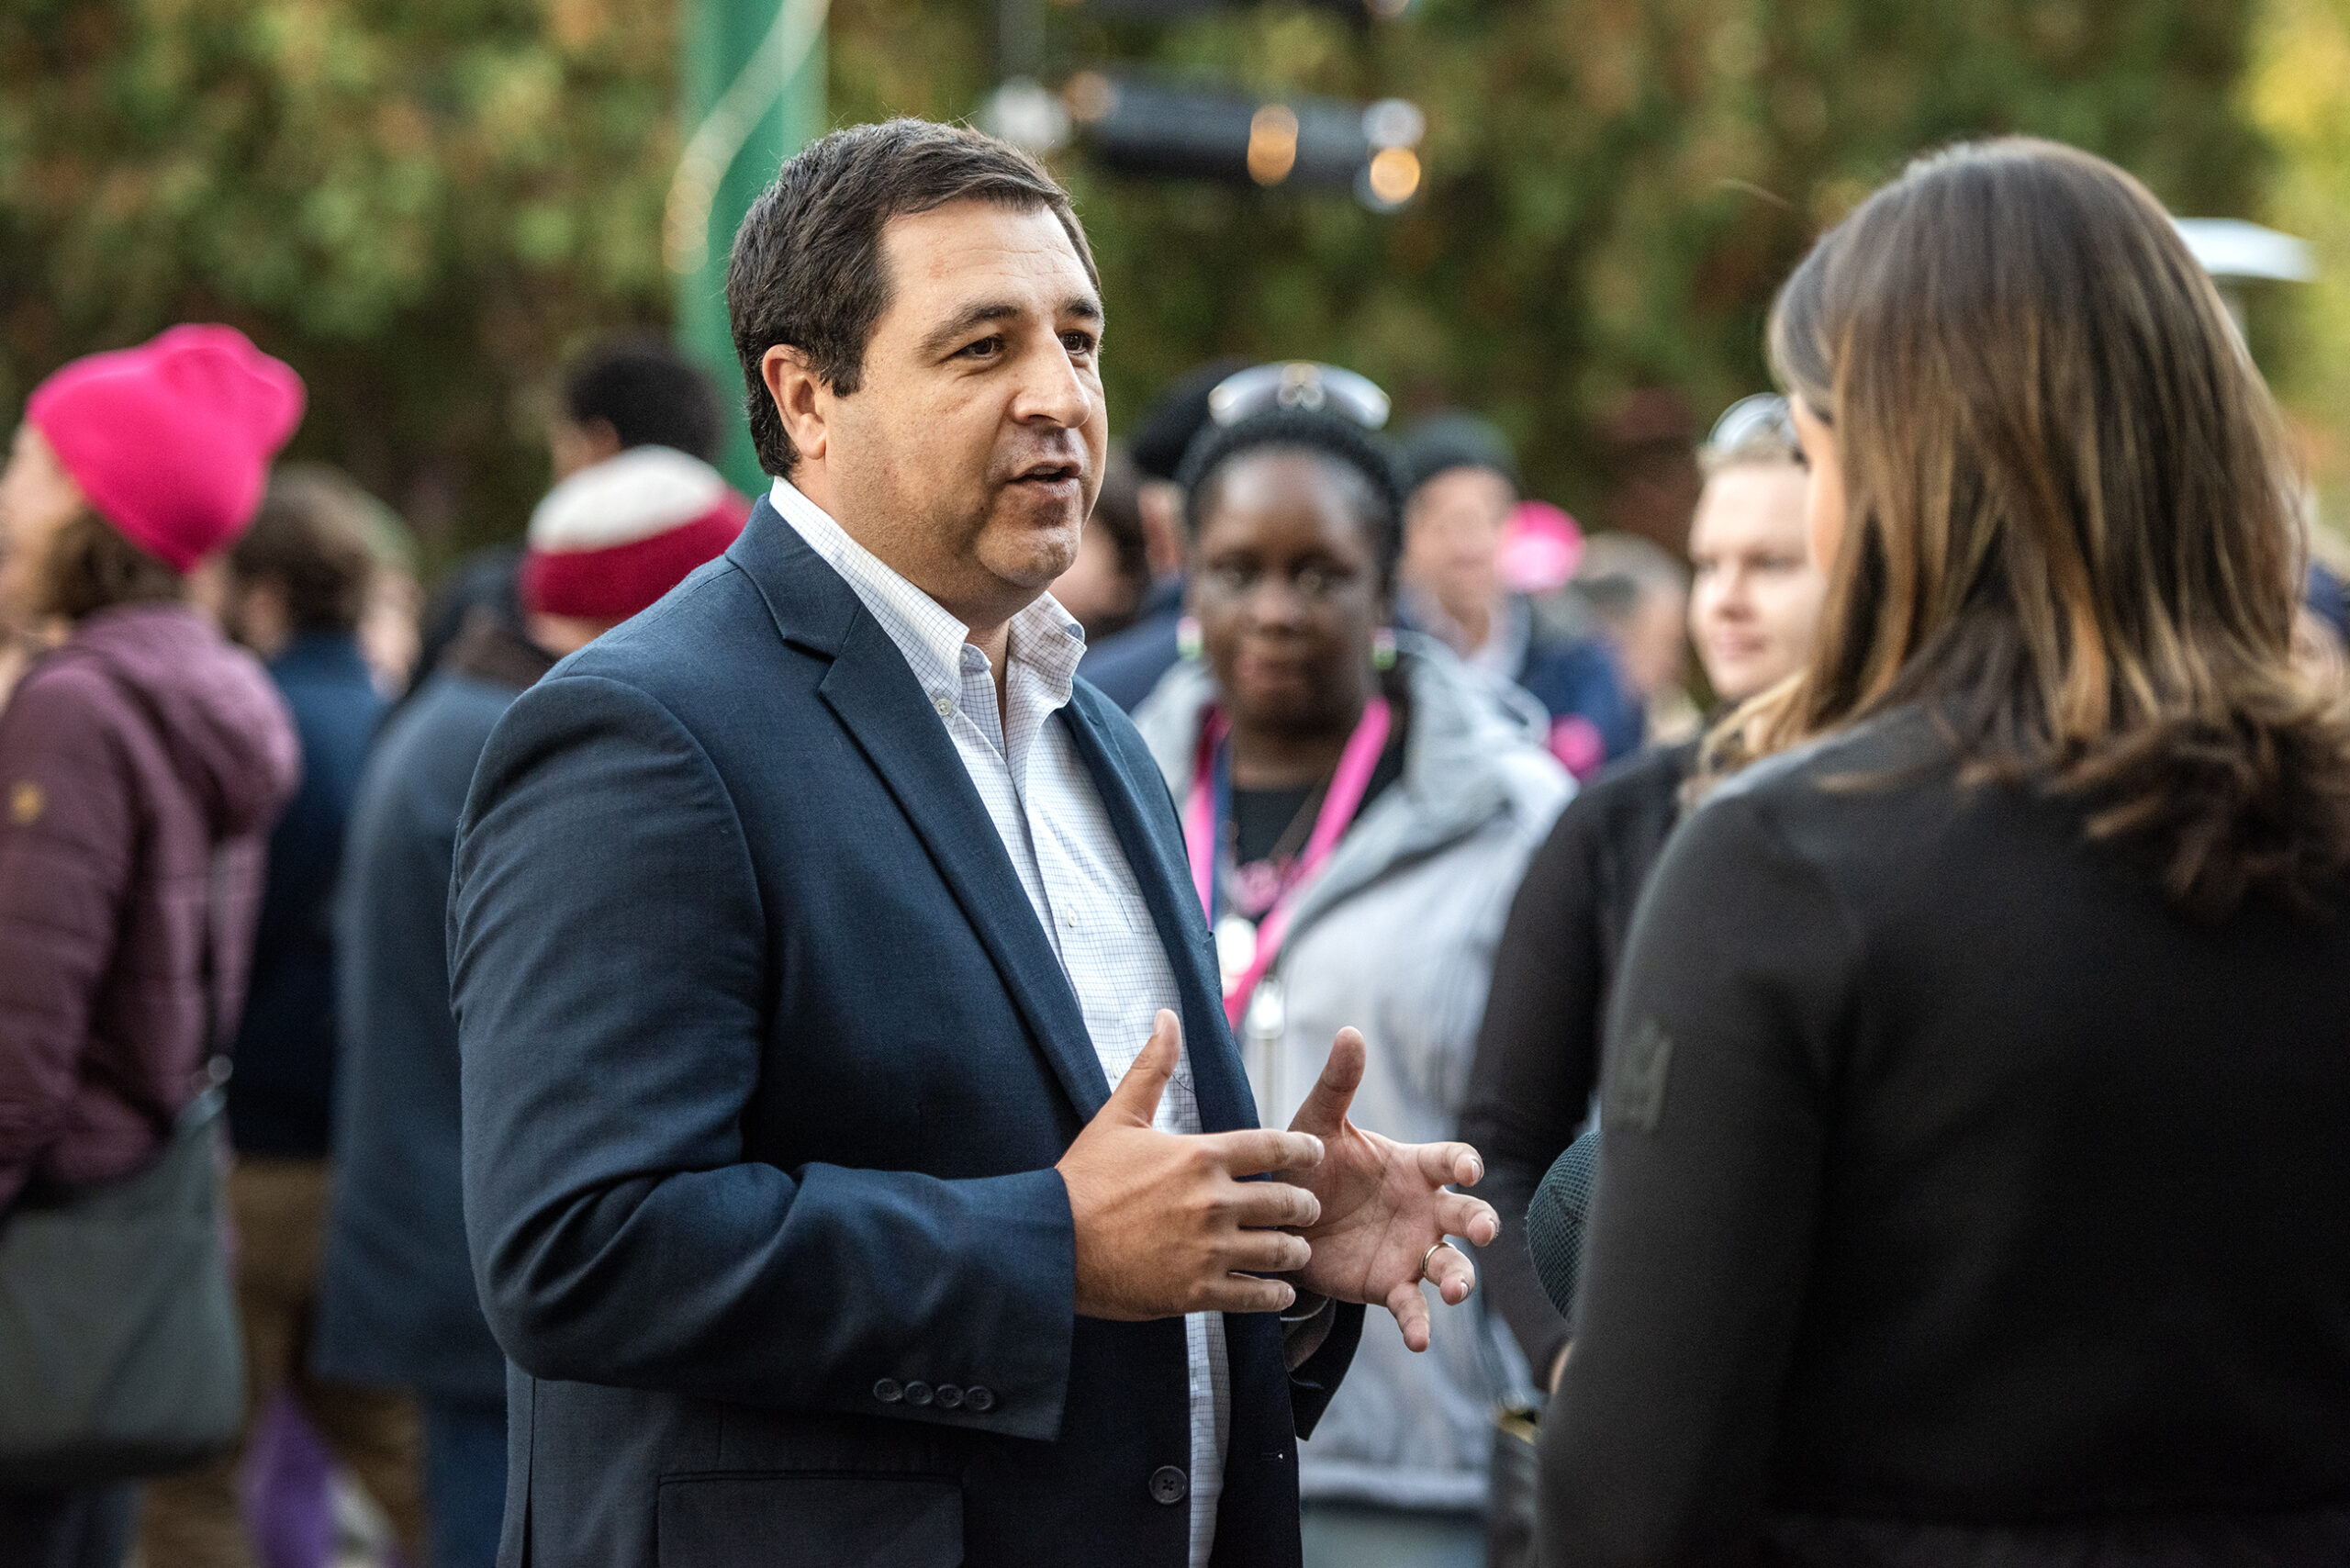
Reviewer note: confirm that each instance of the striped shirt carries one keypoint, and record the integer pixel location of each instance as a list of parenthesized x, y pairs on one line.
[(1061, 842)]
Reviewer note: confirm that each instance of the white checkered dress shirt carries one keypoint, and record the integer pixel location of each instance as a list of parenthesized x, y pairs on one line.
[(1061, 842)]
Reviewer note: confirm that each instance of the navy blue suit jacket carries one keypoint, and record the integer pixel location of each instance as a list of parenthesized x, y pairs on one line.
[(766, 1063)]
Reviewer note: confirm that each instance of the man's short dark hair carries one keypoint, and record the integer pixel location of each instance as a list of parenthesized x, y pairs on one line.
[(648, 393), (310, 538), (807, 267)]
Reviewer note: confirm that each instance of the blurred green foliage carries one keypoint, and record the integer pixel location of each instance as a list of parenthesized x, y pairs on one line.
[(2298, 91), (418, 203), (424, 203)]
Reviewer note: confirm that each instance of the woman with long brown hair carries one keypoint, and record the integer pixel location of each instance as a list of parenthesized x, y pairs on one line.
[(1976, 1174)]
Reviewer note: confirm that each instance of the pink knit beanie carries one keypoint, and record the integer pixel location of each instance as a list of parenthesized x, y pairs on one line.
[(172, 441)]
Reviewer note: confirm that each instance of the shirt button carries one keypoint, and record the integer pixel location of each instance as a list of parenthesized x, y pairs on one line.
[(946, 705), (1069, 918), (888, 1392), (1168, 1485), (981, 1400), (917, 1394), (949, 1396)]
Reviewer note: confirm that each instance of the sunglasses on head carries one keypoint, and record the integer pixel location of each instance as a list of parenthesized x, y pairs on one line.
[(1763, 415), (1298, 384)]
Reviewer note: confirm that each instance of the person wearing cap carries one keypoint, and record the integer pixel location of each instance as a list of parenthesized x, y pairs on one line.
[(398, 1306), (1357, 806), (621, 393), (143, 762), (1464, 487), (1127, 665)]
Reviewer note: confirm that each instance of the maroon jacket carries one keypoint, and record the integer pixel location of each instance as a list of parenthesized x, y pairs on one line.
[(141, 767)]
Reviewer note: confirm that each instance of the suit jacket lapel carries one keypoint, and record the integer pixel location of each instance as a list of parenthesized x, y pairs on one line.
[(876, 697), (1146, 835)]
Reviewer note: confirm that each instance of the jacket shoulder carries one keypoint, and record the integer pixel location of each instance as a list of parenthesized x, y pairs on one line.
[(64, 704)]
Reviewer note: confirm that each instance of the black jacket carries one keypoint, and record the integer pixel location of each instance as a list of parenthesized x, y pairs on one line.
[(1962, 1200), (281, 1099), (396, 1303), (1537, 1054)]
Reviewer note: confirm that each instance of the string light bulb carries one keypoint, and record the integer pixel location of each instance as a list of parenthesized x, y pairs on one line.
[(1394, 175), (1272, 144)]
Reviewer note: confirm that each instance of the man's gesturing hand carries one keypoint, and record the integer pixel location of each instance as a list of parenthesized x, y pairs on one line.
[(1383, 1205), (1165, 1226)]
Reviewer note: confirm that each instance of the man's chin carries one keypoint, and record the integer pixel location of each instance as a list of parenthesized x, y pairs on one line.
[(1032, 545)]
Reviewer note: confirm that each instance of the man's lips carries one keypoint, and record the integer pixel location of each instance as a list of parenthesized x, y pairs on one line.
[(1047, 476)]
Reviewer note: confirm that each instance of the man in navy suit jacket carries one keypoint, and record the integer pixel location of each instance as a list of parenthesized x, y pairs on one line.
[(789, 975)]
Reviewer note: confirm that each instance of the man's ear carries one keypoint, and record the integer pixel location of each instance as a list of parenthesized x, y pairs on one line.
[(798, 394)]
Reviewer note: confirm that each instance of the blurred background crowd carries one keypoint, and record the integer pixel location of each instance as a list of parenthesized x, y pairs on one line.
[(469, 399)]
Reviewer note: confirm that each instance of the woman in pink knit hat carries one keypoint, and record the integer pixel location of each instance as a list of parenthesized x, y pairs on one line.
[(142, 760)]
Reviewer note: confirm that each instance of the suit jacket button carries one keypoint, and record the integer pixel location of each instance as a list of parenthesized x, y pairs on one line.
[(917, 1394), (888, 1392), (949, 1396), (979, 1399), (1168, 1485)]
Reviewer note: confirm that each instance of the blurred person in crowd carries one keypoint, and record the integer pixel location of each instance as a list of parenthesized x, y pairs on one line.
[(1976, 1109), (142, 761), (1357, 808), (1127, 664), (1104, 587), (2322, 630), (624, 392), (391, 635), (1464, 487), (628, 392), (1638, 600), (1753, 609), (293, 590), (799, 932), (398, 1306)]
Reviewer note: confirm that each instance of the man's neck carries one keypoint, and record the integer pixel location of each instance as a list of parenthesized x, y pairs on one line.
[(995, 642), (988, 632)]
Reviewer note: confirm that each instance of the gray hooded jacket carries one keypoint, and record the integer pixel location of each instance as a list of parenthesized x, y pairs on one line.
[(1396, 937)]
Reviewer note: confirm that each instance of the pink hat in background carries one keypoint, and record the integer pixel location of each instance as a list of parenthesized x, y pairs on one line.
[(613, 538), (1540, 549), (172, 441)]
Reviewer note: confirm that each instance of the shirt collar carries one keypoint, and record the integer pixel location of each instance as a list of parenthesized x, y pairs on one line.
[(1044, 637)]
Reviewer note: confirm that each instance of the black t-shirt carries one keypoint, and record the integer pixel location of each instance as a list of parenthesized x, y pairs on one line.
[(1262, 818), (1952, 1176)]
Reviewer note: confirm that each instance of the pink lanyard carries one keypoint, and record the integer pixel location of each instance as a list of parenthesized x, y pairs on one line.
[(1357, 763)]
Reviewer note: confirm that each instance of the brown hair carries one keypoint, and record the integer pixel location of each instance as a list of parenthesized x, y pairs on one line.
[(90, 566), (2070, 533), (310, 538), (807, 266)]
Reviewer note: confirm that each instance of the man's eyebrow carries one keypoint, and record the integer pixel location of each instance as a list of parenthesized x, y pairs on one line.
[(1084, 307), (964, 320)]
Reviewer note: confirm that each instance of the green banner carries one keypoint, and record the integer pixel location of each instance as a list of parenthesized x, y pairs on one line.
[(753, 74)]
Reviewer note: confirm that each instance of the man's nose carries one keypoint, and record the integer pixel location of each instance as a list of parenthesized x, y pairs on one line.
[(1052, 390)]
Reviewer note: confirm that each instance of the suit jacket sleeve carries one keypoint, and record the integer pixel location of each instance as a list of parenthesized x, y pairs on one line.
[(610, 972)]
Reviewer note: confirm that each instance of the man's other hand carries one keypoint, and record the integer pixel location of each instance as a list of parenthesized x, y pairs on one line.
[(1384, 1205), (1164, 1225)]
